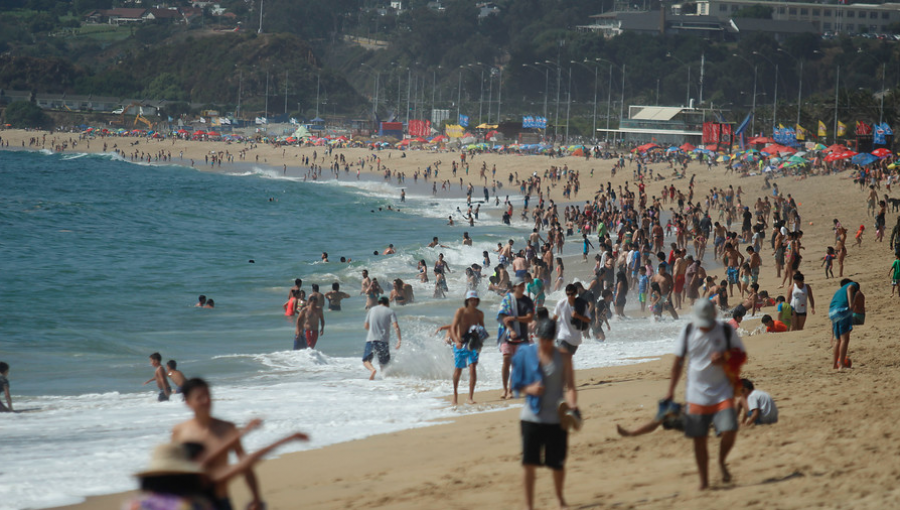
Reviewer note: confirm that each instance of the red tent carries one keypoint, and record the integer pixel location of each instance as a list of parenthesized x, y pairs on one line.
[(836, 148), (687, 147), (775, 149), (712, 147), (761, 139), (646, 147), (199, 132), (213, 133)]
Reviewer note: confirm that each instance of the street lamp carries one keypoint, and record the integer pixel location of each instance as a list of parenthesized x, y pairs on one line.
[(546, 82), (377, 75), (480, 88), (775, 98), (753, 108), (622, 104), (596, 69), (800, 88), (859, 51), (687, 100)]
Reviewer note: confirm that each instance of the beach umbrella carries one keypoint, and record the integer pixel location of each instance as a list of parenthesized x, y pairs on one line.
[(686, 147), (819, 147), (760, 139), (673, 149), (774, 160), (863, 159), (836, 148), (646, 147), (881, 153), (213, 133)]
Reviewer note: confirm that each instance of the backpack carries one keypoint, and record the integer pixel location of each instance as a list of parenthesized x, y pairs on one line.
[(580, 307), (734, 357)]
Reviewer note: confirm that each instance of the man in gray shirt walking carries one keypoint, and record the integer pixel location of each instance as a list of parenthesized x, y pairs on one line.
[(378, 323)]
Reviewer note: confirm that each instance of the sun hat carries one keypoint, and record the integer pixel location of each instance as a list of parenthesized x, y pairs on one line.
[(472, 294), (170, 459), (518, 280)]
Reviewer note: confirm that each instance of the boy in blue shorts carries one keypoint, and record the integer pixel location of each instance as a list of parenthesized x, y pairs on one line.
[(643, 283), (467, 334)]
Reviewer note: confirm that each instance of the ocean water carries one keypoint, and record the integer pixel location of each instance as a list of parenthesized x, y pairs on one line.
[(102, 262)]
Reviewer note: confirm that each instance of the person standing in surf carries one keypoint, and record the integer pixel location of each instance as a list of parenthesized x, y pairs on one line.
[(379, 320), (159, 375), (464, 332), (308, 324)]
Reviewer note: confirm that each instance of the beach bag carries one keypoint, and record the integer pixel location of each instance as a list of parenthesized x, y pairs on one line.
[(475, 337)]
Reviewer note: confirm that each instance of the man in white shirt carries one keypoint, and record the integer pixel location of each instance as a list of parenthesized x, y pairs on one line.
[(568, 337), (756, 407), (709, 392), (379, 320)]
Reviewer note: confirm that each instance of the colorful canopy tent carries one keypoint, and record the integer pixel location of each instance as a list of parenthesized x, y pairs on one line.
[(646, 147), (881, 153), (686, 147)]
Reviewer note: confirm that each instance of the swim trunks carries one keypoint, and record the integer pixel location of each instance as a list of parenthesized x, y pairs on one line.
[(299, 342), (462, 358), (859, 319), (162, 397), (754, 274), (334, 308), (379, 348), (679, 283), (732, 275), (312, 336), (521, 273)]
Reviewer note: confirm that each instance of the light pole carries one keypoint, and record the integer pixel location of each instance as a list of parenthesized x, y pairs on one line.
[(546, 82), (622, 104), (558, 82), (687, 100), (859, 51), (480, 89), (568, 104), (596, 69), (459, 94), (800, 88), (499, 93), (375, 105), (775, 97), (753, 108)]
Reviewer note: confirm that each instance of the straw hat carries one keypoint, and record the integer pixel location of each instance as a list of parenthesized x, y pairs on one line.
[(170, 459)]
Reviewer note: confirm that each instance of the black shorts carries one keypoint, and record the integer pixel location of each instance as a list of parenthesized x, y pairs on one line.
[(548, 439)]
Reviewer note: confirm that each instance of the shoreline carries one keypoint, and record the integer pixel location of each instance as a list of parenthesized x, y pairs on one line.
[(810, 458)]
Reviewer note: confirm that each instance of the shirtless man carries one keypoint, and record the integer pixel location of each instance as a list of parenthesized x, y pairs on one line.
[(335, 296), (308, 323), (657, 234), (466, 345), (678, 270), (159, 375), (178, 378), (506, 253), (467, 241), (211, 432), (535, 238), (434, 242), (520, 265), (755, 264), (389, 250), (871, 200), (732, 260), (666, 284)]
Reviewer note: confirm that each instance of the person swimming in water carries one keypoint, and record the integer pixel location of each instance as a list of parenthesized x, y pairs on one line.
[(335, 296)]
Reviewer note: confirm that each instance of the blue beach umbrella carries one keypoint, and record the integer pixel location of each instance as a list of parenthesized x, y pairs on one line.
[(863, 159)]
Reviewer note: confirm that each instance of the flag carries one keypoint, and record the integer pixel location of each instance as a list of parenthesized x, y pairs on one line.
[(887, 129), (293, 120), (743, 125), (202, 120), (842, 129), (225, 121), (862, 128), (464, 120), (171, 119), (878, 138), (823, 131), (261, 120), (801, 133)]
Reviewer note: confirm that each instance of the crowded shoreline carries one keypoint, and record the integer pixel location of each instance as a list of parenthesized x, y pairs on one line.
[(771, 363)]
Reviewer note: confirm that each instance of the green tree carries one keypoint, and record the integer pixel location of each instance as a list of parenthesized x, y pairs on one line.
[(22, 114)]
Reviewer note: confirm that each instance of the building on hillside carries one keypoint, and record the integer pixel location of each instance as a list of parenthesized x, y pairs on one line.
[(664, 125), (778, 29), (486, 9), (838, 17), (9, 96), (611, 24), (121, 15), (163, 15)]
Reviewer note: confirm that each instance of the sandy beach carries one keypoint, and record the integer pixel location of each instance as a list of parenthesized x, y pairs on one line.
[(834, 446)]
